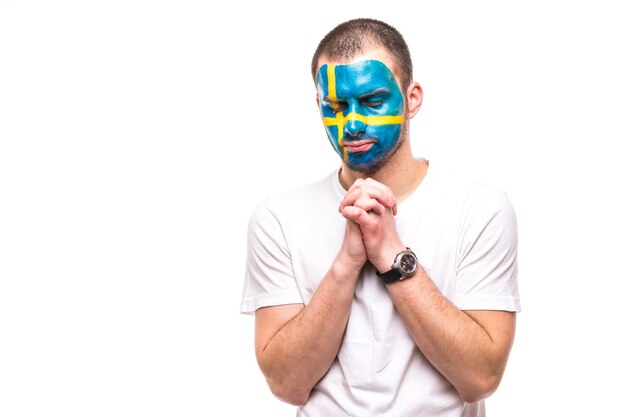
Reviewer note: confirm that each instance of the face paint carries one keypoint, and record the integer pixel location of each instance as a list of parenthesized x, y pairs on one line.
[(362, 108)]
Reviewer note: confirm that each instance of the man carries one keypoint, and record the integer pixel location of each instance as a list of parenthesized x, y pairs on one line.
[(349, 320)]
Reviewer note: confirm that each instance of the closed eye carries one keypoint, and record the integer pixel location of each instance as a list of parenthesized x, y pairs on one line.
[(336, 105), (375, 98), (373, 104)]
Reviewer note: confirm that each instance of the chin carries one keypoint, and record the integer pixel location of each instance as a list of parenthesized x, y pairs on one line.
[(373, 164), (365, 168)]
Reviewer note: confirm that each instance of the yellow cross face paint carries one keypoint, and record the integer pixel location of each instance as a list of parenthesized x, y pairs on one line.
[(362, 109)]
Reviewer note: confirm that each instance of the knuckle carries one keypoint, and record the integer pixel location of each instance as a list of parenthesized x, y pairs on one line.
[(362, 203)]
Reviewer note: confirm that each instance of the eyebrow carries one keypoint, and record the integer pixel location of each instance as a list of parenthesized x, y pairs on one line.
[(376, 92), (327, 99), (367, 95)]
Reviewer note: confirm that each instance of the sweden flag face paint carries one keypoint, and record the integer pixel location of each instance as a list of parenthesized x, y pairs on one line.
[(362, 109)]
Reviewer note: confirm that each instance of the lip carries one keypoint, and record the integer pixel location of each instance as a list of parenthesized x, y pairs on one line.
[(358, 145)]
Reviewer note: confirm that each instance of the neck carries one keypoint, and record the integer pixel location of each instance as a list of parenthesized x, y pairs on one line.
[(403, 173)]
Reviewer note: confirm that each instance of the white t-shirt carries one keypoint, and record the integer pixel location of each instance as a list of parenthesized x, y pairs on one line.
[(464, 235)]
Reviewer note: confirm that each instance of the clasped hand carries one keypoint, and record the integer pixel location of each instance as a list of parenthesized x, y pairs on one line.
[(371, 234)]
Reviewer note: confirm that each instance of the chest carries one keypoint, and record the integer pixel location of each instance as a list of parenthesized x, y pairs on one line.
[(430, 230)]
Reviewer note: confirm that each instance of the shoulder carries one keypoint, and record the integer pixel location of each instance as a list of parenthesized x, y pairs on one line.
[(471, 204), (304, 198), (486, 215), (470, 194)]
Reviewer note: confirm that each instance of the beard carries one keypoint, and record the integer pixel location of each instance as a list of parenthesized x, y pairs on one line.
[(373, 167)]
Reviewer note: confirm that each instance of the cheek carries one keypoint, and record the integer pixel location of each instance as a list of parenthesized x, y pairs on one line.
[(331, 131), (387, 136)]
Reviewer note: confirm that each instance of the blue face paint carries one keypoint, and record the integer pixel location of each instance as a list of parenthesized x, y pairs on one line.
[(363, 109)]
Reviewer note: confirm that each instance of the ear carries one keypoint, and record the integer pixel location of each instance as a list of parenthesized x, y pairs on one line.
[(414, 96)]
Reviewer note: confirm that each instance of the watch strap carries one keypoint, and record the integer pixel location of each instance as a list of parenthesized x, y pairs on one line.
[(390, 276)]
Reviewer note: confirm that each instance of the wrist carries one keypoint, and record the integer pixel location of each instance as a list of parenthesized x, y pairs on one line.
[(404, 266), (345, 269), (384, 262)]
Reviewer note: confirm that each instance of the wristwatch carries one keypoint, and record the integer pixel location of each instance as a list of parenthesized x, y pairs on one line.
[(404, 266)]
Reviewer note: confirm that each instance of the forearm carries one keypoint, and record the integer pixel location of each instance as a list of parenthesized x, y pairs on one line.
[(472, 359), (302, 351)]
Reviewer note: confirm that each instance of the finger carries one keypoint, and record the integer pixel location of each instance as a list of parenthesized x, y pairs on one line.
[(361, 217), (353, 195), (370, 204), (358, 184), (374, 190), (386, 191), (356, 214), (366, 191)]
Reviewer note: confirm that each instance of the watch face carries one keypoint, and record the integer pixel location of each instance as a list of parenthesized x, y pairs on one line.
[(408, 263)]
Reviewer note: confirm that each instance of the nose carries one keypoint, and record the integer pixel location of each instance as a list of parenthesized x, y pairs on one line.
[(354, 128)]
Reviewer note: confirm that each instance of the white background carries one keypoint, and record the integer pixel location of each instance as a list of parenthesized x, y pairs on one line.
[(138, 136)]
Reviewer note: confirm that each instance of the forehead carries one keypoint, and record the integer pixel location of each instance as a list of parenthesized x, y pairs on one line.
[(356, 77), (373, 53)]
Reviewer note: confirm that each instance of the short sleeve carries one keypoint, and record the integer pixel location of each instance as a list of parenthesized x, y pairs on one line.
[(269, 278), (487, 254)]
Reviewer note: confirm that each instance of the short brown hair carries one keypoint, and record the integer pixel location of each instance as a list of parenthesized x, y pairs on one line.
[(353, 37)]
